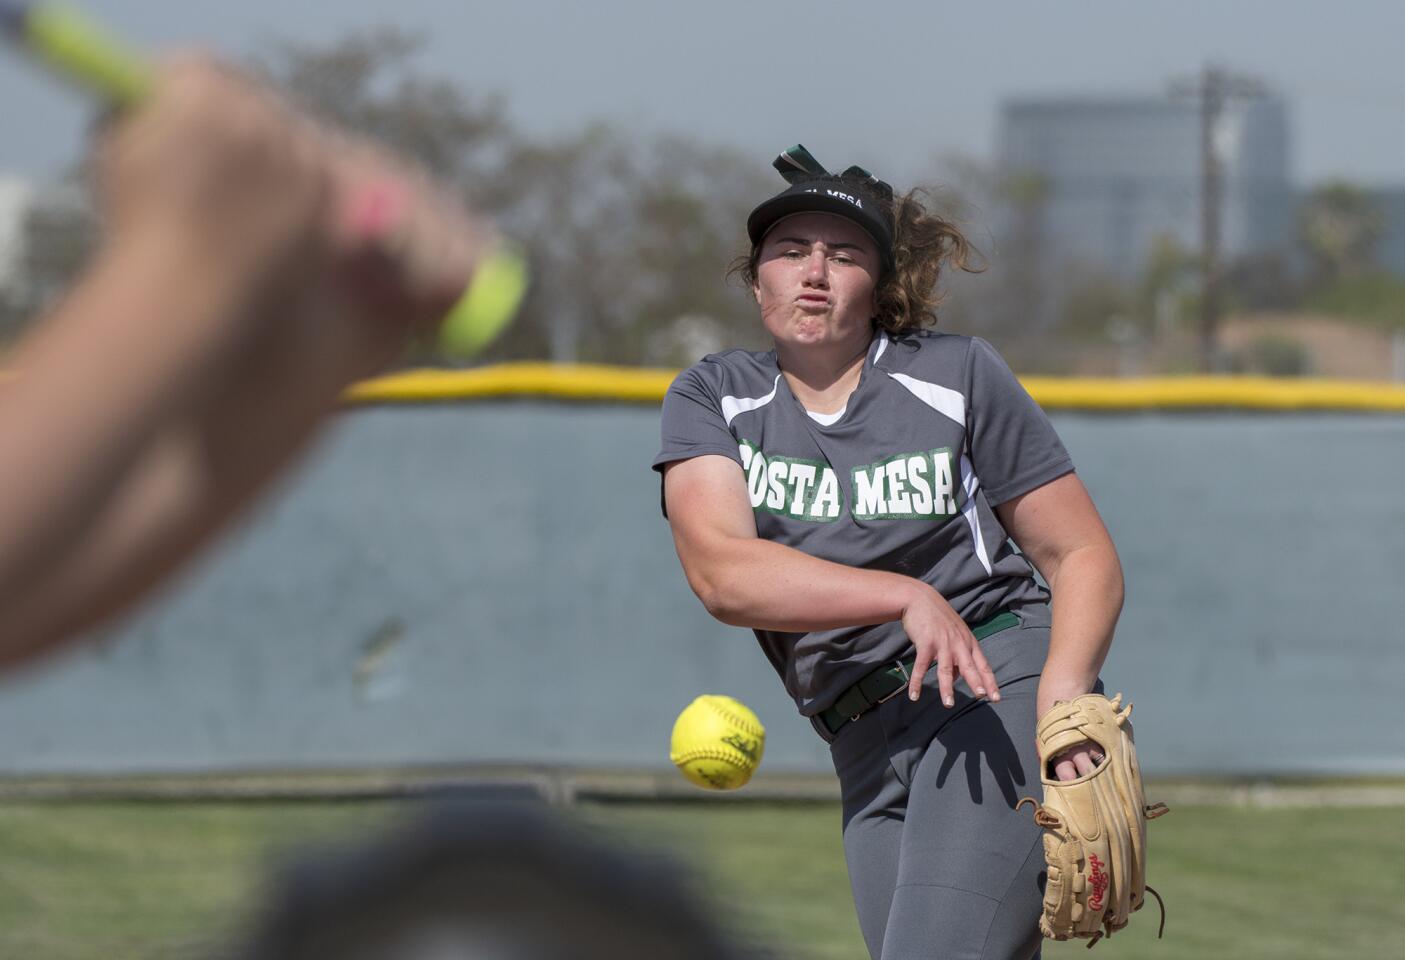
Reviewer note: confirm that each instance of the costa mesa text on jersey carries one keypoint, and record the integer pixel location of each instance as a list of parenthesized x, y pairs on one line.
[(916, 485)]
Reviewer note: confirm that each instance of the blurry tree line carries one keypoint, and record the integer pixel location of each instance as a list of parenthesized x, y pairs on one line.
[(629, 238), (1329, 266), (628, 241)]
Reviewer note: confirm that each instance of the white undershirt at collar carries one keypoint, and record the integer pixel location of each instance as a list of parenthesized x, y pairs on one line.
[(827, 419)]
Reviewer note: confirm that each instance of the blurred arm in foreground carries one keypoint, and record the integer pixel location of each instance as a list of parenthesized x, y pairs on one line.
[(252, 266)]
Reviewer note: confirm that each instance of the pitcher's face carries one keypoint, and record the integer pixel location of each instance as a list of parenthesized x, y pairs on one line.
[(815, 280)]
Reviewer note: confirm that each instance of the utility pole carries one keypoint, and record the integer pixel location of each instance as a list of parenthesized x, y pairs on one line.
[(1212, 88)]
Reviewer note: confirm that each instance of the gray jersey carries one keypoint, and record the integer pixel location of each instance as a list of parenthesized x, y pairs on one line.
[(936, 433)]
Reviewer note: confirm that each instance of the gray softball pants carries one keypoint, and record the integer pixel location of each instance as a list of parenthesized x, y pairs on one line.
[(941, 863)]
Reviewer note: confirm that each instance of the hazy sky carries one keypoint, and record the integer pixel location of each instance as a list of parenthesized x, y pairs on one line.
[(891, 85)]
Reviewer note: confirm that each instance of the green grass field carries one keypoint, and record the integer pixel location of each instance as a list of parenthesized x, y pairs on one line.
[(165, 880)]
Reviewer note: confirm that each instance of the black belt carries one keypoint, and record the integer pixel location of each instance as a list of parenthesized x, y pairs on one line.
[(888, 681)]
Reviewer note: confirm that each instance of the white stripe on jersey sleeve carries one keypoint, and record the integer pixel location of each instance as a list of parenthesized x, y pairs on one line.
[(971, 484), (950, 403), (731, 406)]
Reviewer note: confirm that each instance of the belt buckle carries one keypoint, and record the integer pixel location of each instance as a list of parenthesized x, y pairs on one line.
[(907, 677)]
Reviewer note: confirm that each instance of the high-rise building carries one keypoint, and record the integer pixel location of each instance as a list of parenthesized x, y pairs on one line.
[(1114, 174)]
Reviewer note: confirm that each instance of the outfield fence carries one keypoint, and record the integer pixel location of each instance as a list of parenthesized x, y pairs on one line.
[(484, 578)]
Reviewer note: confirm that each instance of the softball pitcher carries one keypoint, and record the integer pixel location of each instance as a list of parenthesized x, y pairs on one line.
[(856, 496)]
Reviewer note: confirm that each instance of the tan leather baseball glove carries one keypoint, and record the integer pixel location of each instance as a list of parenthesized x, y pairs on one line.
[(1094, 826)]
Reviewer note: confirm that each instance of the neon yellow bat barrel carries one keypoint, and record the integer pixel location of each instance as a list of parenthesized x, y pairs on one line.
[(74, 47)]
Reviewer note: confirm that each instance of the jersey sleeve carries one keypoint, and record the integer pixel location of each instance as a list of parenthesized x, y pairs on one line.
[(1013, 446), (692, 423)]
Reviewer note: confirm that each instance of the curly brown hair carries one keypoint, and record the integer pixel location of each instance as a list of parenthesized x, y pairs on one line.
[(923, 243)]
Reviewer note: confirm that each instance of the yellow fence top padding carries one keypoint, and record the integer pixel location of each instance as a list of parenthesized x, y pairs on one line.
[(1243, 393), (647, 385), (557, 381)]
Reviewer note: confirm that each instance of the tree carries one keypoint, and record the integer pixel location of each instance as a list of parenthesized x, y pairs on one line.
[(368, 83), (1263, 281), (1168, 288), (1014, 300), (1275, 355), (1339, 227), (1095, 307), (627, 241), (1024, 197), (692, 207)]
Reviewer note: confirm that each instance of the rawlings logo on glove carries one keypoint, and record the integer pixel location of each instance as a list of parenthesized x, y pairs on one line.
[(1095, 825)]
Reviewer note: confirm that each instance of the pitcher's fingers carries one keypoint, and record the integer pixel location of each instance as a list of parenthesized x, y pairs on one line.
[(1084, 761), (1065, 770), (992, 688), (974, 669), (920, 666), (946, 677)]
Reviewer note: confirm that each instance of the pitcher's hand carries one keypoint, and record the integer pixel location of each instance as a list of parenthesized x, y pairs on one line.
[(942, 638)]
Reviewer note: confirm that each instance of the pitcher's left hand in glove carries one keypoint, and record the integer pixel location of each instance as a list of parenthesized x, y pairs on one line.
[(1095, 825)]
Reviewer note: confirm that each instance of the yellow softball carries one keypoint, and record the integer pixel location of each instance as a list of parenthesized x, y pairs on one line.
[(717, 742)]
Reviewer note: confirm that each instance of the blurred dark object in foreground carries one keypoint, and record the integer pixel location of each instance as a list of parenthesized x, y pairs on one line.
[(489, 875)]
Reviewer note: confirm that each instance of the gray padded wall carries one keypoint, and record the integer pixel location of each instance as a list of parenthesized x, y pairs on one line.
[(493, 583)]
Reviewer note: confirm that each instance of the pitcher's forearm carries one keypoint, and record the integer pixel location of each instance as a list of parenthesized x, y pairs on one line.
[(763, 585), (1087, 593)]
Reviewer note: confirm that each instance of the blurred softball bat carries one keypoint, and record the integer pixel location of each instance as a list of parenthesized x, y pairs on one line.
[(74, 47)]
